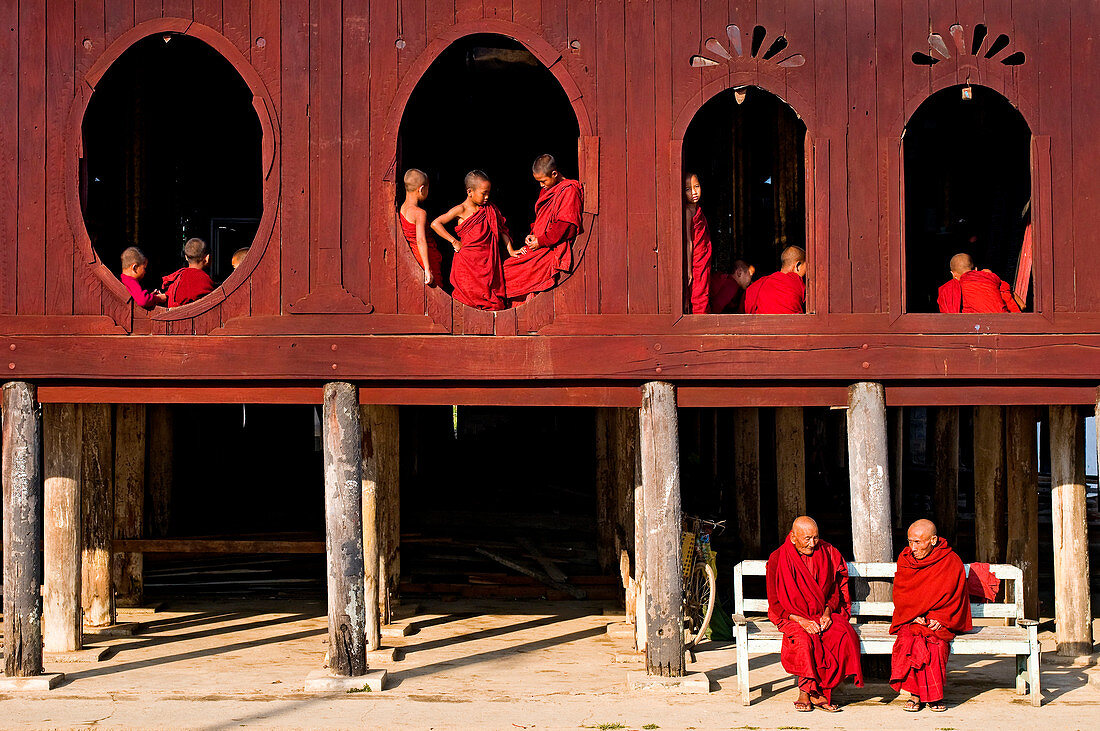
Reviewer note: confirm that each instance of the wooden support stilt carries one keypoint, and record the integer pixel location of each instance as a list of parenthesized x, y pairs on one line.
[(129, 504), (868, 469), (945, 455), (372, 554), (1072, 605), (746, 453), (22, 478), (62, 617), (159, 465), (989, 484), (1022, 495), (605, 489), (625, 432), (638, 584), (896, 417), (790, 465), (383, 424), (97, 497), (661, 488), (342, 440)]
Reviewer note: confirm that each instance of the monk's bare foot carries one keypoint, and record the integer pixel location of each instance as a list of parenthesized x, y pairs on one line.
[(820, 702), (938, 707), (803, 704), (912, 705)]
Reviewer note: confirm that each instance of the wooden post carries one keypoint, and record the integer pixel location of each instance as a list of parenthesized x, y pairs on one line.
[(661, 489), (159, 467), (62, 617), (790, 465), (945, 455), (383, 425), (896, 418), (22, 454), (623, 446), (1072, 605), (638, 585), (372, 554), (342, 440), (1022, 493), (129, 501), (605, 489), (746, 453), (97, 509), (989, 484), (868, 470)]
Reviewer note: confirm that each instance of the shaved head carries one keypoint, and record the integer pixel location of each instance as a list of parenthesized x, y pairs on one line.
[(922, 538), (544, 165), (792, 256), (743, 272), (475, 177), (961, 264), (804, 535), (414, 178)]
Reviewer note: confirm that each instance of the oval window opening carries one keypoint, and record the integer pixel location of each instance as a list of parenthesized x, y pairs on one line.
[(967, 154), (487, 103), (172, 153), (746, 149)]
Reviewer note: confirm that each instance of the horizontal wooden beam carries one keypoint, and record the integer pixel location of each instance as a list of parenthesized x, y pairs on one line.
[(204, 545)]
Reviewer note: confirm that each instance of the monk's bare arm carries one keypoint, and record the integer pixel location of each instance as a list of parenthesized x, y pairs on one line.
[(441, 221), (420, 219), (689, 243)]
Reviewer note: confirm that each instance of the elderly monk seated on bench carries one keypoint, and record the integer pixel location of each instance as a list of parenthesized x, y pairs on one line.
[(931, 606), (808, 602)]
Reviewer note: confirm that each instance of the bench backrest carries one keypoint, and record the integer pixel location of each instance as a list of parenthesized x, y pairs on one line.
[(1004, 572)]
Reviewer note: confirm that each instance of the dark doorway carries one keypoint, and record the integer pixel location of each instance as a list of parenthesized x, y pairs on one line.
[(748, 148), (967, 188), (172, 147), (486, 103)]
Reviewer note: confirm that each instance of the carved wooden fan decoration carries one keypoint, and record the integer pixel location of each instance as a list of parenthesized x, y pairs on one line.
[(773, 52), (938, 49)]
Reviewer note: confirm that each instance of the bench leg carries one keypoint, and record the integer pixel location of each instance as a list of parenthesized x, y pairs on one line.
[(1021, 674), (743, 664), (1033, 675)]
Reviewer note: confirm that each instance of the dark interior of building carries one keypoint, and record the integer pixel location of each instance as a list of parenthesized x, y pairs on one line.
[(967, 189), (172, 151), (486, 103)]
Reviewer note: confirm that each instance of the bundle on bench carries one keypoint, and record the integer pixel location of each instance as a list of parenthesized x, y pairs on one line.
[(758, 635)]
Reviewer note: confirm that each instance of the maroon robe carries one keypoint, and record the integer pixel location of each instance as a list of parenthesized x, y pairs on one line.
[(805, 586), (557, 223), (187, 285), (782, 293), (976, 292), (701, 251), (476, 272), (435, 259)]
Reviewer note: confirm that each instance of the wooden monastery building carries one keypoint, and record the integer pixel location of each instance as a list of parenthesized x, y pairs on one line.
[(323, 395)]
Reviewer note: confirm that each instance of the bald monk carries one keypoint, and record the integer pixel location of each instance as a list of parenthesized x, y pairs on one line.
[(971, 290), (931, 606), (414, 226), (477, 274), (782, 293), (808, 602), (727, 291), (547, 252)]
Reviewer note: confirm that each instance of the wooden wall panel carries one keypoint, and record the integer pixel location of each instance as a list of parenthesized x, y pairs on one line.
[(237, 24), (264, 282), (641, 142), (1056, 87), (208, 12), (31, 242), (325, 166), (383, 150), (118, 17), (611, 111), (1086, 158), (357, 178), (147, 10), (60, 88), (294, 53), (9, 155)]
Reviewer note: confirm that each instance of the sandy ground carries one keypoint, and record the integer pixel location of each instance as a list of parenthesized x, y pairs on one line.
[(535, 666)]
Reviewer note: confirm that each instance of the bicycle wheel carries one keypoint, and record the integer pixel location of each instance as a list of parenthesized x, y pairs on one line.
[(699, 602)]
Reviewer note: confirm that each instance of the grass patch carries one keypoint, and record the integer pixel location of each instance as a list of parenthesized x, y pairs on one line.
[(650, 726), (606, 726), (364, 689)]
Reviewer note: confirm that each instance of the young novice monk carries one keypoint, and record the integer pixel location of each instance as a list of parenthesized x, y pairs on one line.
[(414, 225), (188, 284), (729, 296), (477, 274), (698, 246), (547, 252), (781, 293), (970, 290), (134, 263), (238, 257)]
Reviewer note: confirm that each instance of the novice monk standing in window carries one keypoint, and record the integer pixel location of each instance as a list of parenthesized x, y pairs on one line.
[(134, 263), (414, 225), (708, 291), (477, 274), (188, 284), (781, 293), (970, 290), (547, 252)]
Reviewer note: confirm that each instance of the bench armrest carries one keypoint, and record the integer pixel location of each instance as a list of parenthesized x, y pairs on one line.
[(1027, 622), (739, 619)]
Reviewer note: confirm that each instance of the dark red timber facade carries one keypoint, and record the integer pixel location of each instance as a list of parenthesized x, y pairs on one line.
[(887, 137)]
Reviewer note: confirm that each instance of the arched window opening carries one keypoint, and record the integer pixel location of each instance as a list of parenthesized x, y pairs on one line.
[(486, 103), (967, 155), (748, 148), (172, 150)]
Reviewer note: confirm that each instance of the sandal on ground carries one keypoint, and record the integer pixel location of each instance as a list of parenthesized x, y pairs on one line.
[(937, 707), (802, 707), (912, 705), (828, 707)]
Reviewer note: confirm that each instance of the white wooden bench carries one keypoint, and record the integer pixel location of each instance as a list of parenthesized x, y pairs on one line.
[(757, 635)]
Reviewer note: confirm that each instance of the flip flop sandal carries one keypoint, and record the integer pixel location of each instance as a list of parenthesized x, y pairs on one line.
[(937, 707), (911, 706), (803, 707), (828, 707)]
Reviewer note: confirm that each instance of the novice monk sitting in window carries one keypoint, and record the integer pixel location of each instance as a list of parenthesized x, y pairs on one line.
[(238, 257), (188, 284), (708, 290), (134, 263), (414, 226), (476, 271), (782, 293), (971, 290)]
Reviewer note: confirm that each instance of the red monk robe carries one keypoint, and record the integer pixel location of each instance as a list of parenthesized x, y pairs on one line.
[(933, 587), (186, 285), (701, 251), (977, 291), (805, 586), (782, 293), (435, 259), (557, 224), (476, 271)]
